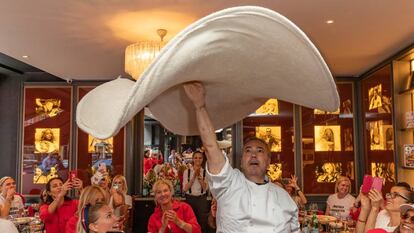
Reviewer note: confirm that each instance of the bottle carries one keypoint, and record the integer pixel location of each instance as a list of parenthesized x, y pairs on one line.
[(315, 223)]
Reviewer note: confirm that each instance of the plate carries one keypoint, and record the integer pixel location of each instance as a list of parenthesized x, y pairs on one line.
[(22, 220), (326, 219)]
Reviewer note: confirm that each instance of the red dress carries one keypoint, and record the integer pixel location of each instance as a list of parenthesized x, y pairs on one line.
[(56, 222), (184, 212)]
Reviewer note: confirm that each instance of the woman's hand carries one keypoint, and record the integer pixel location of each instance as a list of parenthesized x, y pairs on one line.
[(77, 183), (10, 193), (294, 181), (65, 188), (376, 199), (172, 216), (365, 201)]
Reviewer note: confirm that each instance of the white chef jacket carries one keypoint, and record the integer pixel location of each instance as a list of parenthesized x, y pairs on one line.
[(243, 206)]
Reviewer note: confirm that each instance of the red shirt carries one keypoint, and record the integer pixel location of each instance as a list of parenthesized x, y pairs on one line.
[(72, 224), (56, 222), (184, 212)]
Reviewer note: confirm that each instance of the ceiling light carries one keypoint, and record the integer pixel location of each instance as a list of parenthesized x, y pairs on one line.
[(329, 21), (25, 56), (139, 55)]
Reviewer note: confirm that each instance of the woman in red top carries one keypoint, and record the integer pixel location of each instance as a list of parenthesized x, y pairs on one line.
[(171, 215), (58, 208)]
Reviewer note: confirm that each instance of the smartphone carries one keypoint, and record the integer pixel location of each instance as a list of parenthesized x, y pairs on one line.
[(367, 184), (377, 183), (72, 175)]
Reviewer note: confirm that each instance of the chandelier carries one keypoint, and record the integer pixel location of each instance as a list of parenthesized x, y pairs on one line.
[(139, 55)]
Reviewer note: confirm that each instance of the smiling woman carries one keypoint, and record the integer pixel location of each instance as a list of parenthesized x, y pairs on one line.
[(171, 214)]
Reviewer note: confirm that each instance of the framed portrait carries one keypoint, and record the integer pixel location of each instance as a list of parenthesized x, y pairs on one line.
[(327, 137), (408, 155), (377, 138), (348, 140), (271, 135), (375, 97), (274, 171), (386, 171), (271, 107), (100, 145), (347, 107), (388, 134), (47, 140), (48, 107), (320, 112), (328, 172)]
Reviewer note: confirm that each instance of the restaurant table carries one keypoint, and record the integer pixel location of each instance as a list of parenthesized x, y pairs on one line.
[(28, 224)]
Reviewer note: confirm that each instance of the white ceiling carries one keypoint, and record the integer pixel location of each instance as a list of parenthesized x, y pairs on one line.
[(86, 39)]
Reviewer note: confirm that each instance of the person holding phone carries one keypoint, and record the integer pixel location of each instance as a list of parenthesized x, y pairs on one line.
[(11, 204), (171, 215), (385, 214), (341, 202), (59, 208), (120, 201)]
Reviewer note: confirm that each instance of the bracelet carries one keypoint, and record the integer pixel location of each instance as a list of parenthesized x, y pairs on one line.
[(201, 107), (359, 220), (182, 225)]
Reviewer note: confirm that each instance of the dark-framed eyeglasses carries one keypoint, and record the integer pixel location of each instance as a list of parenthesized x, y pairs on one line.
[(407, 216), (394, 195)]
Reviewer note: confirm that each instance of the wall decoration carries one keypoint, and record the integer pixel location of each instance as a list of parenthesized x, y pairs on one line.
[(408, 155), (319, 112), (377, 139), (385, 105), (271, 107), (271, 135), (38, 177), (50, 107), (388, 132), (327, 138), (348, 140), (375, 97), (347, 107), (47, 140), (385, 171), (274, 171), (328, 172), (97, 145)]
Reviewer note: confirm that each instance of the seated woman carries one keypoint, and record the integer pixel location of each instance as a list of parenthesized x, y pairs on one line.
[(98, 218), (90, 195), (340, 203), (171, 215), (294, 191), (11, 204), (371, 215), (58, 208)]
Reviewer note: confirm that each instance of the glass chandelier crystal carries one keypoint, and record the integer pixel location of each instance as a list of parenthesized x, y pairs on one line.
[(139, 55)]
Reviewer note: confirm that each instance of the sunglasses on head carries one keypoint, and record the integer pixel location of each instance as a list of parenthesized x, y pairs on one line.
[(407, 216)]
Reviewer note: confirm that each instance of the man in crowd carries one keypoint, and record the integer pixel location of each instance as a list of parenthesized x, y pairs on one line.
[(246, 201)]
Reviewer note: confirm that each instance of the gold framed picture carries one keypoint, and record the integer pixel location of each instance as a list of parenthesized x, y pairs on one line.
[(328, 172), (377, 138), (271, 135), (327, 138), (386, 171), (47, 140), (271, 107), (99, 145), (375, 97), (50, 107), (274, 171)]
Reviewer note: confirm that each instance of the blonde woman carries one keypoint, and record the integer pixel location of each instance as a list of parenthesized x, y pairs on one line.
[(119, 196), (98, 218), (171, 215), (89, 196), (10, 202), (340, 203)]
